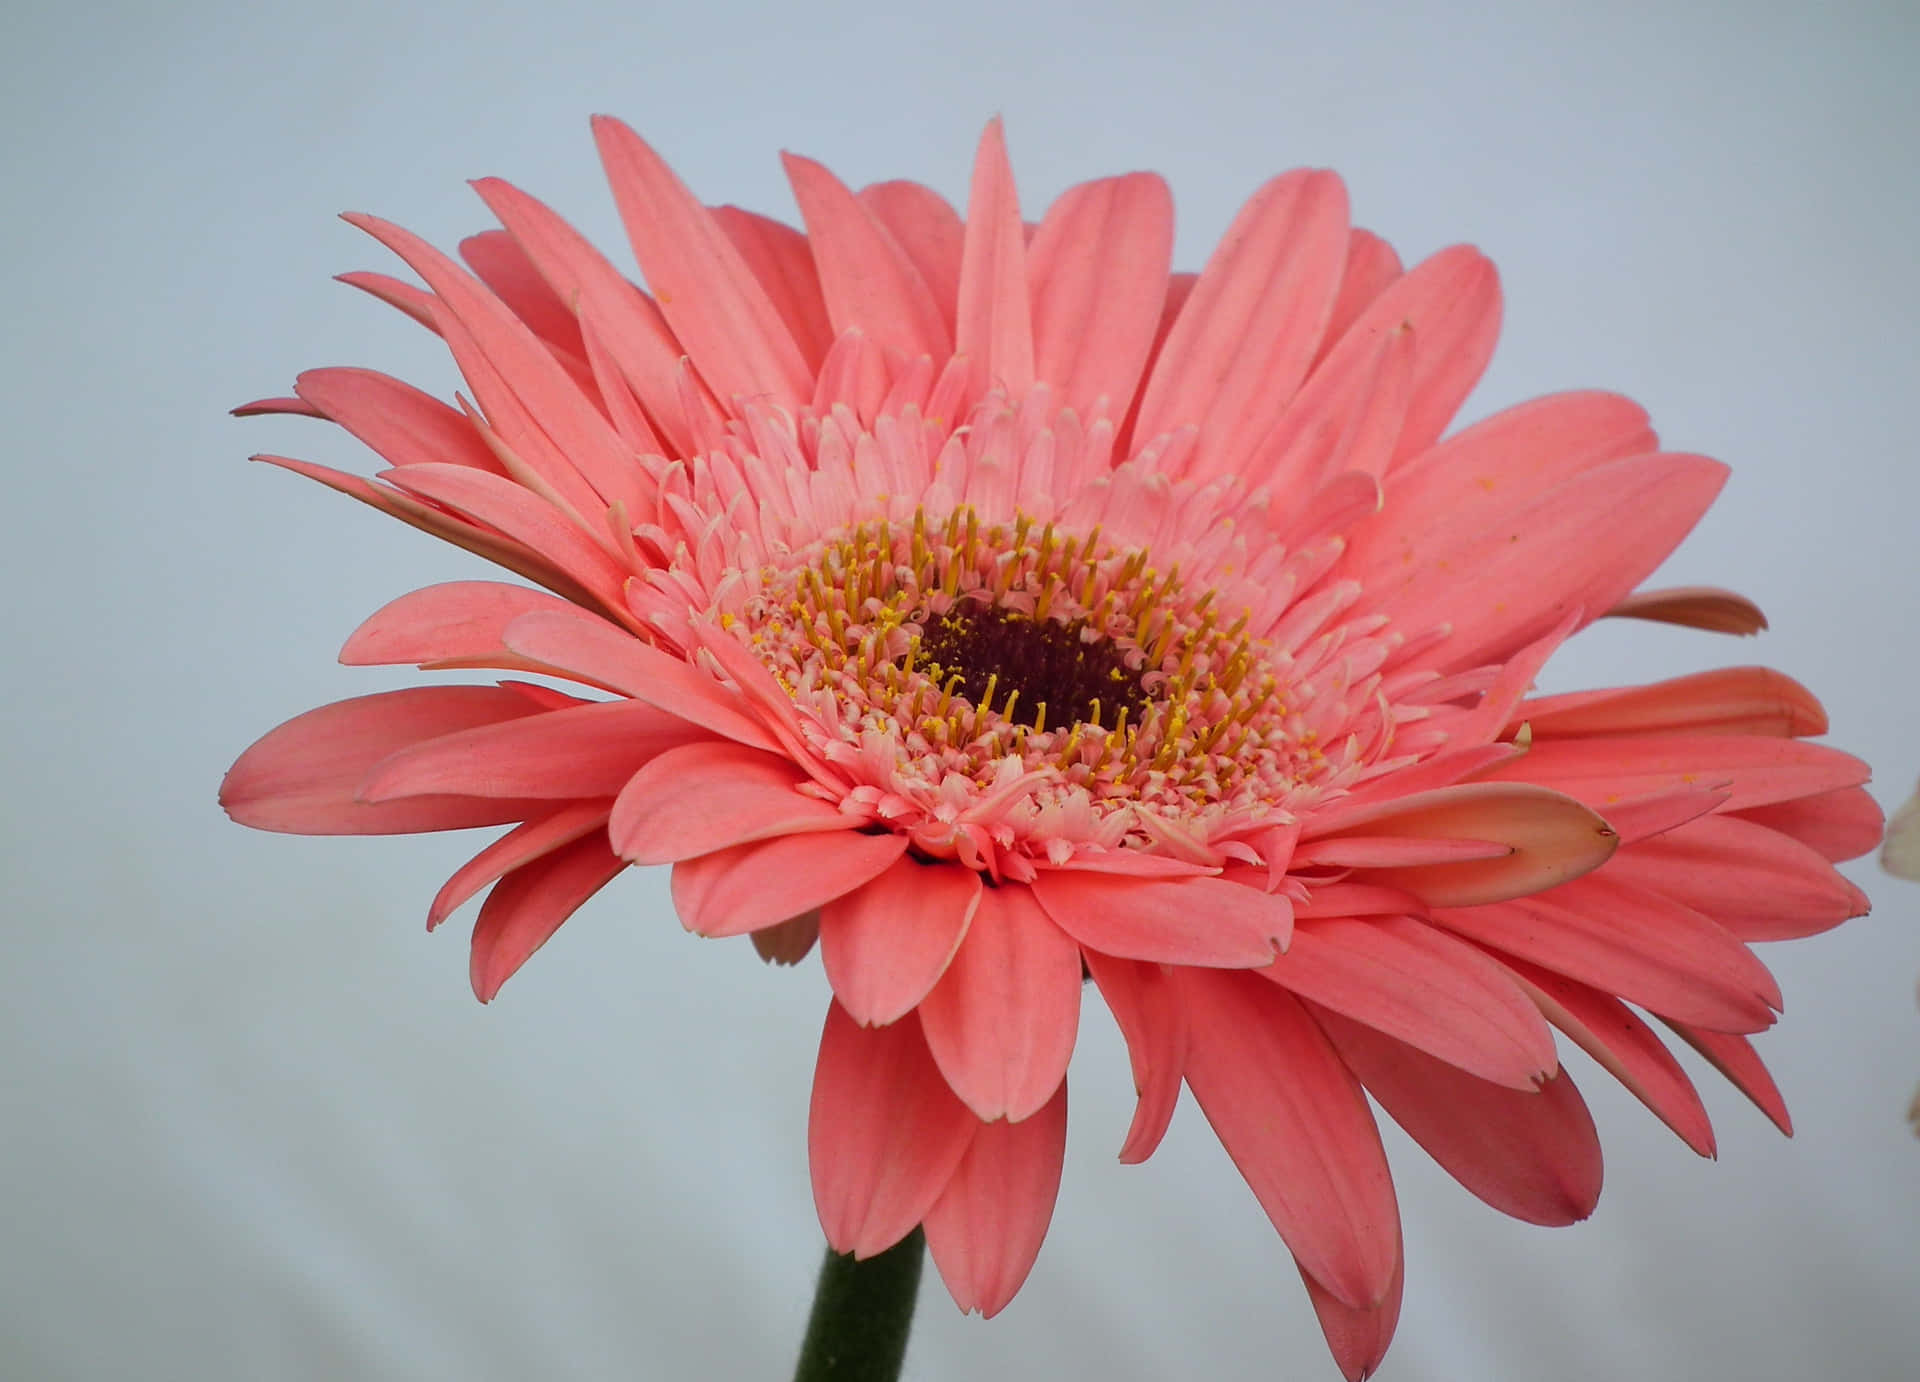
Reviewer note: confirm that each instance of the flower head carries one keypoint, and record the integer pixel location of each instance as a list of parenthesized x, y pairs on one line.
[(1003, 610)]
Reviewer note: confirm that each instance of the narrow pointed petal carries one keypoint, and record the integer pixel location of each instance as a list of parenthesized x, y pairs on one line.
[(1358, 1339), (1294, 1120), (707, 293), (868, 282), (928, 230), (886, 944), (985, 1230), (1147, 1004), (303, 777), (607, 656), (516, 849), (1754, 770), (1694, 607), (441, 623), (1726, 700), (1411, 981), (783, 264), (500, 263), (762, 883), (1838, 824), (884, 1133), (707, 796), (1371, 268), (1759, 884), (1532, 1154), (1734, 1057), (1002, 1020), (1196, 921), (587, 751), (1245, 337), (1099, 267), (1551, 838), (527, 906), (1633, 942), (404, 425), (993, 324), (1610, 1032)]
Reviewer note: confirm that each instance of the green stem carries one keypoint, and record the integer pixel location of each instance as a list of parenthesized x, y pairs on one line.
[(862, 1314)]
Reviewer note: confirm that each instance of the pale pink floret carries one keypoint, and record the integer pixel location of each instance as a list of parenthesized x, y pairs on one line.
[(827, 515)]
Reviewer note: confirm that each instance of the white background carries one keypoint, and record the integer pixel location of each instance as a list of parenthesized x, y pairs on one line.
[(252, 1123)]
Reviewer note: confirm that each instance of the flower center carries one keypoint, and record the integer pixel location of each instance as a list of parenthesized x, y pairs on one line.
[(1069, 669)]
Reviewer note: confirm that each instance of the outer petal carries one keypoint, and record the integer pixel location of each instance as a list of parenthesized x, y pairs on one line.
[(1756, 771), (1152, 1014), (751, 886), (516, 849), (1734, 1057), (400, 422), (1295, 1122), (459, 620), (587, 751), (994, 324), (1839, 824), (1358, 1338), (1411, 981), (1534, 1155), (1194, 921), (886, 944), (1694, 607), (703, 797), (1552, 838), (884, 1133), (986, 1228), (1002, 1020), (303, 778), (528, 905), (1726, 700), (1606, 1029)]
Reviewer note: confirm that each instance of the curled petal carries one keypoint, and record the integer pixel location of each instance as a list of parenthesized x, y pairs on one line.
[(1146, 1002), (751, 886), (1194, 921), (707, 796), (529, 904)]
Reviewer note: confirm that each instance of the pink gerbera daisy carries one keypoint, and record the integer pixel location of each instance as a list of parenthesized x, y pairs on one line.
[(1003, 610)]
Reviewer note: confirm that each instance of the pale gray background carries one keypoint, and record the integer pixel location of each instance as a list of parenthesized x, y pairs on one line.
[(252, 1124)]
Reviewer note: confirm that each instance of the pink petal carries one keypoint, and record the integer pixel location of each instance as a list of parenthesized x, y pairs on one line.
[(1641, 818), (1694, 607), (985, 1230), (471, 537), (522, 516), (403, 297), (458, 620), (1371, 268), (627, 322), (1147, 1004), (529, 904), (716, 307), (1755, 771), (528, 396), (608, 656), (1726, 700), (1759, 884), (755, 885), (993, 324), (1242, 344), (928, 230), (783, 265), (1552, 838), (400, 422), (1629, 941), (1533, 1154), (1358, 1339), (1001, 1021), (1295, 1122), (884, 1133), (869, 283), (499, 261), (302, 778), (1099, 268), (1734, 1057), (1842, 824), (703, 797), (1610, 1032), (1411, 981), (887, 943), (518, 847), (1578, 547), (587, 751), (1195, 921)]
